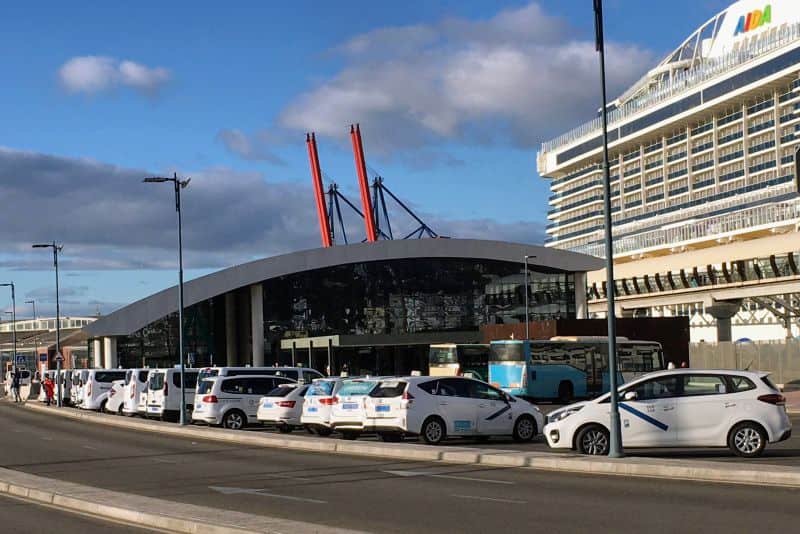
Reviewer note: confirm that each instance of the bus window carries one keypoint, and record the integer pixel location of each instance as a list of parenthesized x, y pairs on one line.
[(507, 352)]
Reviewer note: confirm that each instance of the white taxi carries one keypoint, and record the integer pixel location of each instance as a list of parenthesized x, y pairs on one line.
[(437, 408), (282, 407), (741, 410), (318, 404)]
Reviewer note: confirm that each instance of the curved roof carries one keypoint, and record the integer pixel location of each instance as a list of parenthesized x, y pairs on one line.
[(135, 316)]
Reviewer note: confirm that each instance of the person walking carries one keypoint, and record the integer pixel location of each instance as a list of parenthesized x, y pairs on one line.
[(15, 385), (49, 387)]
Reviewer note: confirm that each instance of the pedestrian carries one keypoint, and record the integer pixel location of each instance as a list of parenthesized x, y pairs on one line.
[(670, 365), (684, 364), (15, 385), (49, 386)]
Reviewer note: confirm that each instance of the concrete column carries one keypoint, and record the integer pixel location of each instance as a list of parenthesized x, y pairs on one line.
[(110, 352), (257, 323), (97, 350), (231, 335), (581, 308), (310, 352), (723, 312), (243, 355)]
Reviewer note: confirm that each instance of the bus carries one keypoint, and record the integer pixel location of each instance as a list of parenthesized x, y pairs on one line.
[(451, 359), (565, 368)]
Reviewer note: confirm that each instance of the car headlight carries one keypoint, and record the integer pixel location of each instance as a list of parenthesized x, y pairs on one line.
[(563, 414)]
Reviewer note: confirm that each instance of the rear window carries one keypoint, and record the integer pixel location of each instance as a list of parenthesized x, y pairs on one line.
[(768, 382), (205, 386), (109, 376), (280, 392), (390, 389), (320, 388), (356, 388), (128, 375), (252, 385), (76, 379), (143, 376), (156, 382), (191, 379), (208, 373)]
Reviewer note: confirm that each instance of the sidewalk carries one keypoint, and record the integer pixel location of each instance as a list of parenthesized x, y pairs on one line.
[(671, 468)]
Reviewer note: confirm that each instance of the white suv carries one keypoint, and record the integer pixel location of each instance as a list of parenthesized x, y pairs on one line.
[(318, 405), (283, 407), (233, 401), (435, 408), (680, 408)]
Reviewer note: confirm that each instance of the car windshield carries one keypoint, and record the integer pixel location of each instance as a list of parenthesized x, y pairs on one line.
[(207, 373), (204, 386), (320, 388), (356, 387)]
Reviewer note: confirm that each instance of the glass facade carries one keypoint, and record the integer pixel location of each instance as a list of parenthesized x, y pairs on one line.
[(376, 298)]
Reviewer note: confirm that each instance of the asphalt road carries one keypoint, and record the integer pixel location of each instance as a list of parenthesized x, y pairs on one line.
[(22, 516), (376, 494)]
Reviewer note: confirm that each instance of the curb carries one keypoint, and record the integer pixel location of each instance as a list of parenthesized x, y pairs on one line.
[(680, 469), (146, 511)]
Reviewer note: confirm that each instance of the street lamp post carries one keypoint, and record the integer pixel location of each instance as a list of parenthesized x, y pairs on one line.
[(615, 449), (179, 184), (59, 358), (13, 319)]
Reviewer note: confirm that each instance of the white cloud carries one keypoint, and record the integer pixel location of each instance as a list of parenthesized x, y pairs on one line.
[(520, 76), (254, 147), (95, 74)]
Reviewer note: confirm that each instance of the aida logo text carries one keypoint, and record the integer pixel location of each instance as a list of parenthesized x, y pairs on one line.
[(754, 19)]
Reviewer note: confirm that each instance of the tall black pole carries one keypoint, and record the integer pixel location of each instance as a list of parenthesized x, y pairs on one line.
[(615, 449), (59, 357), (178, 186), (527, 315)]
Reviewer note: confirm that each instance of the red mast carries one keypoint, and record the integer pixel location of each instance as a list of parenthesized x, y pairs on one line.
[(319, 196), (361, 169)]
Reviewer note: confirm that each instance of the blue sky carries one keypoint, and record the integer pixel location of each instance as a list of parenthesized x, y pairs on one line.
[(453, 98)]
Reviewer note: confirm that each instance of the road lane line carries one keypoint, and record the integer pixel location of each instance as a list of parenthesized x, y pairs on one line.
[(490, 499), (164, 460), (471, 479), (262, 492), (89, 447)]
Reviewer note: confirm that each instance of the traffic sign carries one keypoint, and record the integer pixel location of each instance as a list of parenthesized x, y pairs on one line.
[(43, 357), (20, 359)]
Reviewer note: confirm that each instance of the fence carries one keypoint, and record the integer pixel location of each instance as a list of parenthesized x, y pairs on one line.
[(780, 358)]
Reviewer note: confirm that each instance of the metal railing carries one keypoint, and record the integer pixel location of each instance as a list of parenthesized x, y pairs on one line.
[(679, 83), (707, 228)]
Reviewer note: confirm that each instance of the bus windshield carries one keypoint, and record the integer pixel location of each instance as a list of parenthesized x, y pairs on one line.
[(507, 352), (442, 355)]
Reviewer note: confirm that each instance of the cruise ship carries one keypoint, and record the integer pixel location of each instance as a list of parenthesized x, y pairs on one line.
[(704, 191)]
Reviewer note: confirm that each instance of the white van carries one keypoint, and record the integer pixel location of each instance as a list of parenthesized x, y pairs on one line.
[(24, 383), (297, 374), (164, 393), (233, 401), (116, 398), (96, 387), (135, 392), (66, 386), (76, 391)]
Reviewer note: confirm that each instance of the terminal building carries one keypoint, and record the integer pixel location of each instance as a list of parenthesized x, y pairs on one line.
[(704, 190), (372, 307)]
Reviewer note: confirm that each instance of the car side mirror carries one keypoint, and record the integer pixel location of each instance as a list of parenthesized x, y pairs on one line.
[(631, 396), (506, 398)]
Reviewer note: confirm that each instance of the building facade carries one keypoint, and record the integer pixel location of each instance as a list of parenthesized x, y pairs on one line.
[(371, 306), (704, 190)]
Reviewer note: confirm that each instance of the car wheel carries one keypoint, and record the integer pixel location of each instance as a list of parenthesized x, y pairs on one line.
[(747, 440), (433, 431), (234, 420), (350, 436), (284, 429), (119, 411), (391, 437), (524, 429), (103, 406), (593, 440), (565, 392), (324, 431)]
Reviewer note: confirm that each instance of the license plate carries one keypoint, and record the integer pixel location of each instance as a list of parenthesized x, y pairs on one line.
[(312, 409), (382, 408), (152, 408), (350, 406), (267, 405)]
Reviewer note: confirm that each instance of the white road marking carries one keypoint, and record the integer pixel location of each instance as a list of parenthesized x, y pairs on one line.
[(90, 447), (235, 491), (490, 499), (452, 477), (45, 438), (164, 461)]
